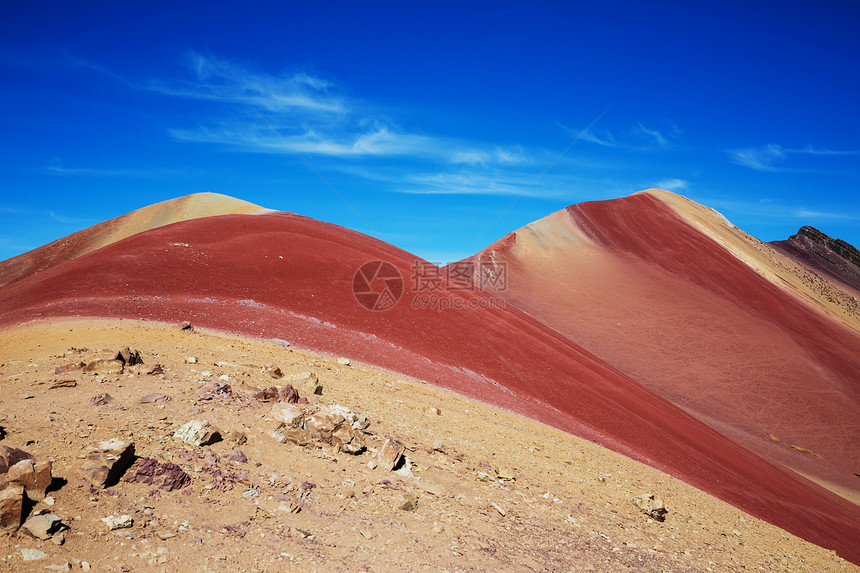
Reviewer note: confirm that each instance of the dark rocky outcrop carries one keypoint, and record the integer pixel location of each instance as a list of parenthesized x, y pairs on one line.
[(831, 257)]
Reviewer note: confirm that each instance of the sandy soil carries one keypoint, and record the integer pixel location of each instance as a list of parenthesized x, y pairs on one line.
[(568, 508)]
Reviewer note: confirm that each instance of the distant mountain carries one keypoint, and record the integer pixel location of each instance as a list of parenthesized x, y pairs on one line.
[(150, 217), (834, 258)]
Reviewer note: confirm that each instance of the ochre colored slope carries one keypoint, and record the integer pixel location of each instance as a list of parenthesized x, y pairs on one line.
[(95, 237), (285, 276), (638, 286)]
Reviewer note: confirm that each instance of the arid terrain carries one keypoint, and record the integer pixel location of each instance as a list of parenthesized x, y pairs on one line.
[(490, 490), (625, 384)]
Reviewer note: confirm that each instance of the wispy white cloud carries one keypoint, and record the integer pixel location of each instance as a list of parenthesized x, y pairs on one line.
[(70, 220), (98, 172), (769, 157), (672, 184), (652, 135), (807, 214), (639, 137)]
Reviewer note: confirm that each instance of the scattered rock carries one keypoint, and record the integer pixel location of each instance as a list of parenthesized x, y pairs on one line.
[(505, 474), (238, 438), (651, 506), (190, 360), (11, 456), (439, 446), (292, 416), (288, 394), (156, 370), (105, 366), (43, 526), (270, 394), (66, 368), (434, 411), (238, 456), (32, 554), (289, 507), (498, 508), (128, 357), (407, 502), (100, 399), (343, 361), (198, 433), (58, 538), (334, 425), (186, 326), (167, 476), (154, 397), (389, 455), (11, 506), (272, 371), (281, 342), (307, 381), (107, 462), (213, 390), (59, 567), (63, 384), (118, 522)]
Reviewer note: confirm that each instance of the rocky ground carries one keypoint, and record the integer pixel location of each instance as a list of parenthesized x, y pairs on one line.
[(474, 488)]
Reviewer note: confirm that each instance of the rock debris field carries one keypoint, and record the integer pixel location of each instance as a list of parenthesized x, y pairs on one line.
[(129, 445)]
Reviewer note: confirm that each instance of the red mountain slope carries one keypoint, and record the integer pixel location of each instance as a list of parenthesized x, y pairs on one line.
[(635, 284), (286, 276)]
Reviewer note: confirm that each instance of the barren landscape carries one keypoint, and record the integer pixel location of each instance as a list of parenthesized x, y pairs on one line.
[(481, 488)]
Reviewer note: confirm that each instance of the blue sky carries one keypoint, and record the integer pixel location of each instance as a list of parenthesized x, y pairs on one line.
[(436, 127)]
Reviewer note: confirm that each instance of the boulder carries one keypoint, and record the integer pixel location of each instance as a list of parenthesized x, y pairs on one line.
[(198, 433), (66, 368), (288, 394), (389, 455), (213, 390), (167, 476), (43, 526), (11, 505), (307, 381), (105, 366), (267, 395), (291, 415), (128, 357), (651, 506), (107, 462), (11, 456)]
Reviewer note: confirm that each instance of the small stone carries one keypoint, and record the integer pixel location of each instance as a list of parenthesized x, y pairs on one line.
[(289, 507), (100, 399), (190, 360), (60, 567), (372, 464), (498, 508), (434, 411), (505, 474), (281, 342), (49, 500), (439, 446), (32, 554), (118, 522), (407, 502), (343, 361), (198, 433), (165, 535), (63, 384), (58, 538), (85, 566), (153, 398)]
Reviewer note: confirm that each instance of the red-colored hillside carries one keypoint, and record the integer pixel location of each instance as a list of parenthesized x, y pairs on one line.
[(286, 276)]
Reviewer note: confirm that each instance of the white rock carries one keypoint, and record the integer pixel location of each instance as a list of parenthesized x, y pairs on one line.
[(190, 360), (118, 522), (289, 414), (343, 361), (198, 433), (32, 554)]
